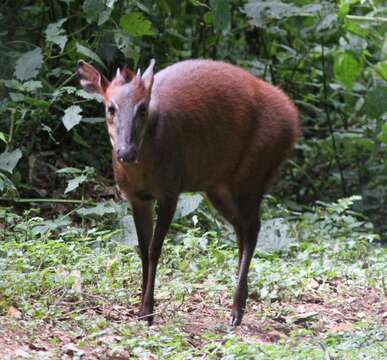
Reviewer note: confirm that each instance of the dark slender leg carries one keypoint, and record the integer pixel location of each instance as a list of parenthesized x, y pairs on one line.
[(142, 215), (249, 208), (223, 201), (166, 210)]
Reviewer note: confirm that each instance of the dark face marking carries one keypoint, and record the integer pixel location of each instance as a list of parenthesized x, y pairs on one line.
[(130, 122)]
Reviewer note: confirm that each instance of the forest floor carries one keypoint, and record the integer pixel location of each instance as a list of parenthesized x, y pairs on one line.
[(351, 317), (74, 294)]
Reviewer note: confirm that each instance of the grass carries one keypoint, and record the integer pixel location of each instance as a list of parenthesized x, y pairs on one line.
[(316, 290)]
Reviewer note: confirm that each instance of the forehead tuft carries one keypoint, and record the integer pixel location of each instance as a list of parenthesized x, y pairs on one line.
[(134, 90)]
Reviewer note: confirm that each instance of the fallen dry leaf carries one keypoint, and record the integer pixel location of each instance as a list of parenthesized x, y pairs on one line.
[(14, 313)]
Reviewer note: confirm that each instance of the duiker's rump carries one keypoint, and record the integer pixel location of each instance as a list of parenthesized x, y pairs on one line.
[(198, 125)]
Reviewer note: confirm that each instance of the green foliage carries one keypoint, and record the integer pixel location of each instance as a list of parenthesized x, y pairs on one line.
[(55, 272), (328, 56)]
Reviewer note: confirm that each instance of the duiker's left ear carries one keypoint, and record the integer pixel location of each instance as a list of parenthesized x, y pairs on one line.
[(148, 75)]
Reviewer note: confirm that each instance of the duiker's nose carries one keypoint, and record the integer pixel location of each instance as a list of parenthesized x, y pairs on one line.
[(127, 154)]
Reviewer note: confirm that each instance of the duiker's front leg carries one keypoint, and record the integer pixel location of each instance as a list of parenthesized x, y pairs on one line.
[(142, 215), (166, 209)]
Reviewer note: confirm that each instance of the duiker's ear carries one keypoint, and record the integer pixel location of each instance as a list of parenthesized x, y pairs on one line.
[(90, 78), (148, 75)]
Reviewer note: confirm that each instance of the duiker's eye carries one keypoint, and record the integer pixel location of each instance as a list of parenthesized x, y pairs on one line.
[(111, 110)]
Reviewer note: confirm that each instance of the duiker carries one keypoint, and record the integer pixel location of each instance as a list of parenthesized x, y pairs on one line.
[(197, 125)]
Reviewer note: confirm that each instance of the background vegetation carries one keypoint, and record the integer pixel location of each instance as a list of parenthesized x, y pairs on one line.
[(59, 215)]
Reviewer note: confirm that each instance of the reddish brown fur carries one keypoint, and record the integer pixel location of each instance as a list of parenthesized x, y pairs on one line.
[(226, 126)]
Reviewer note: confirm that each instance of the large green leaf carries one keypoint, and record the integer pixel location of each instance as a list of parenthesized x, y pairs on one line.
[(72, 117), (55, 33), (187, 204), (136, 24), (375, 103), (347, 68), (9, 159), (100, 209), (262, 12), (127, 234), (275, 235), (51, 225), (221, 11), (29, 64), (92, 9), (74, 183)]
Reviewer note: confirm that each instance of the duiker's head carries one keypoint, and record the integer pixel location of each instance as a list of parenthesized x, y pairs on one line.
[(126, 100)]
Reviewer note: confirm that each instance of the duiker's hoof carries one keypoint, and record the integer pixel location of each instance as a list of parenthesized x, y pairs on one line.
[(148, 317), (236, 317)]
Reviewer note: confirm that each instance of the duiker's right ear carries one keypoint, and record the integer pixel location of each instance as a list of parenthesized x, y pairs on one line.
[(90, 78)]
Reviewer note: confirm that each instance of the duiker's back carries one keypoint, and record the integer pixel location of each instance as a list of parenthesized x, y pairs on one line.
[(222, 123)]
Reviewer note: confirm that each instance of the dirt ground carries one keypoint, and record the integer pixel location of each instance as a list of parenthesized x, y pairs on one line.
[(335, 312)]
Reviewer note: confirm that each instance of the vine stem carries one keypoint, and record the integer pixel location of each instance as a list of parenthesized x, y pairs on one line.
[(11, 128), (330, 126)]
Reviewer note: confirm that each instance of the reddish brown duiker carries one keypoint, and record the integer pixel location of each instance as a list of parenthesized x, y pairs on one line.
[(197, 125)]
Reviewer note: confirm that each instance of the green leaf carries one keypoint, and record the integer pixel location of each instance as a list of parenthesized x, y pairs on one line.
[(3, 137), (275, 235), (262, 12), (50, 225), (39, 103), (72, 117), (187, 204), (55, 34), (381, 68), (90, 54), (92, 9), (136, 24), (100, 209), (347, 68), (85, 95), (383, 134), (29, 64), (74, 183), (9, 159), (16, 97), (5, 183), (128, 234), (32, 85), (221, 11), (375, 103)]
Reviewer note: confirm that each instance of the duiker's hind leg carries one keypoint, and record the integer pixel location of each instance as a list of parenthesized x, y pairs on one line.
[(142, 216), (248, 205), (224, 202)]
